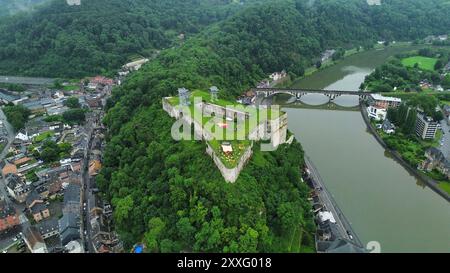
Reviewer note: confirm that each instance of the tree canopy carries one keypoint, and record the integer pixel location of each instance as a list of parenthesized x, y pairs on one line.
[(169, 194)]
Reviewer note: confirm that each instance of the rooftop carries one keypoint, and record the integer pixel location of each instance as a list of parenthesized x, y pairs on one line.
[(72, 194), (383, 98), (48, 226), (6, 210)]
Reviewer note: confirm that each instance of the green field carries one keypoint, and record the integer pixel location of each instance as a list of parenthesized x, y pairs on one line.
[(445, 186), (44, 136), (424, 63)]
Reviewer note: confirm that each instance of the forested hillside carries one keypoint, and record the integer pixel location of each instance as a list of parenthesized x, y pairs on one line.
[(169, 194), (97, 36), (11, 7)]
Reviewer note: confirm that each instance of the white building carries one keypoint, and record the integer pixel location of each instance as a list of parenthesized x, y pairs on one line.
[(134, 66), (376, 113), (74, 247), (22, 136), (325, 216), (278, 75)]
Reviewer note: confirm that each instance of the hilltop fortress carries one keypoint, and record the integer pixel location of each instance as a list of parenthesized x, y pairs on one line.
[(229, 130)]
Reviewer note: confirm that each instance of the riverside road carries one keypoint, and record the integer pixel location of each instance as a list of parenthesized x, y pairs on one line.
[(327, 200)]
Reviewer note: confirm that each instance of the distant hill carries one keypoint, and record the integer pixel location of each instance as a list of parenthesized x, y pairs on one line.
[(98, 35), (11, 7)]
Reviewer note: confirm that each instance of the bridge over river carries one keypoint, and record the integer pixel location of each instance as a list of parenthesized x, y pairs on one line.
[(298, 93)]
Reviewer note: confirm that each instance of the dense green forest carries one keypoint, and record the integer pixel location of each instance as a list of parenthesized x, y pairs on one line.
[(11, 7), (97, 36), (173, 193), (169, 194), (17, 115), (100, 35)]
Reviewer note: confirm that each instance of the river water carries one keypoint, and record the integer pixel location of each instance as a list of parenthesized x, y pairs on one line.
[(380, 198)]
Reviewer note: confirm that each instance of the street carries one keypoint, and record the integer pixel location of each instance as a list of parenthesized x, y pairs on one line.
[(445, 147), (86, 189), (6, 240), (327, 200)]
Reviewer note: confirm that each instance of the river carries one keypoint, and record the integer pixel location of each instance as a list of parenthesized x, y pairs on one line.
[(380, 198)]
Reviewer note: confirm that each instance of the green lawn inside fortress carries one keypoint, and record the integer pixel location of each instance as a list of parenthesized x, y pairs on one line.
[(235, 134)]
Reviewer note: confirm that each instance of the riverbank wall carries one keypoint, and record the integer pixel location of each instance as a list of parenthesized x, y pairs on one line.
[(434, 185)]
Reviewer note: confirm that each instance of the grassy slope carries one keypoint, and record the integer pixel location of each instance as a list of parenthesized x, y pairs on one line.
[(424, 62)]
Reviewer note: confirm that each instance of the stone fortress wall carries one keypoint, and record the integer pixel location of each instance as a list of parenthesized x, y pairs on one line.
[(274, 130)]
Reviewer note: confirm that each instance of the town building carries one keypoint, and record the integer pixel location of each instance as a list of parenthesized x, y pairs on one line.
[(72, 199), (388, 127), (328, 54), (69, 228), (9, 168), (136, 65), (377, 113), (383, 102), (435, 159), (48, 228), (34, 241), (278, 76), (16, 188), (74, 247), (446, 110), (37, 206), (9, 218), (8, 97), (426, 127)]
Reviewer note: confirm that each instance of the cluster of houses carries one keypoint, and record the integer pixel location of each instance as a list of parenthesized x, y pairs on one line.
[(48, 195), (426, 128), (426, 85), (377, 111), (91, 94), (327, 54), (329, 238), (9, 218), (436, 160), (274, 78), (248, 98), (436, 38)]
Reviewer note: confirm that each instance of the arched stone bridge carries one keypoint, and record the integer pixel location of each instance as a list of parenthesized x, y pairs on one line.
[(298, 93)]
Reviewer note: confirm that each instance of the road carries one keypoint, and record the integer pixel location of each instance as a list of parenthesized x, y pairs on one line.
[(7, 239), (26, 80), (445, 147), (330, 205), (86, 189), (3, 153)]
